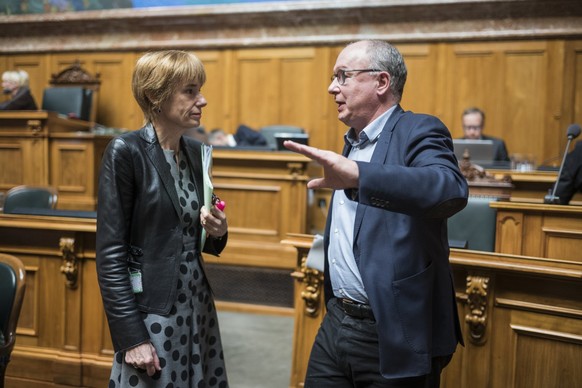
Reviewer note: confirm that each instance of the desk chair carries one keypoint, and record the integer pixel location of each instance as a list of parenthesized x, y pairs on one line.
[(269, 132), (75, 102), (12, 286), (79, 94), (474, 226), (22, 197)]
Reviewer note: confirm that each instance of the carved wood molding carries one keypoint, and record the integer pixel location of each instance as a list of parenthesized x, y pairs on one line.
[(311, 294), (291, 24), (34, 126), (477, 294), (69, 266), (76, 75)]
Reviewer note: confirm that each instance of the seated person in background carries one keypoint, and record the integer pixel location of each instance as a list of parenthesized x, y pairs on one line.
[(244, 136), (571, 178), (473, 123), (217, 137), (15, 83)]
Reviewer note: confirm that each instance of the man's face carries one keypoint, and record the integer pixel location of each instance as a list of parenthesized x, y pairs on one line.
[(473, 125), (357, 101)]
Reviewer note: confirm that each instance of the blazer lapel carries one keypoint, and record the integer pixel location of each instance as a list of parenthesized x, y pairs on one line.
[(379, 156), (156, 155)]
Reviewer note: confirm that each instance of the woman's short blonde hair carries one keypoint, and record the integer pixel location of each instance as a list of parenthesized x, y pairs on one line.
[(20, 77), (158, 74)]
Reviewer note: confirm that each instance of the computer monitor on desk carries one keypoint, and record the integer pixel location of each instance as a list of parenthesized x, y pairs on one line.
[(481, 152), (301, 138)]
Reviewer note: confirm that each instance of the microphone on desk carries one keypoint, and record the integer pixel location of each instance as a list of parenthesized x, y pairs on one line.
[(572, 133)]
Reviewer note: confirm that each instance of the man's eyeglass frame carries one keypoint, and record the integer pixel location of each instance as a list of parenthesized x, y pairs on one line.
[(341, 75)]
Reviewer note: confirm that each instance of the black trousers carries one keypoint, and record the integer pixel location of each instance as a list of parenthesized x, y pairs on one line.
[(345, 354)]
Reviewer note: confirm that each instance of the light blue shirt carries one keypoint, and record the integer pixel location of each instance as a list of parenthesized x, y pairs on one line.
[(344, 274)]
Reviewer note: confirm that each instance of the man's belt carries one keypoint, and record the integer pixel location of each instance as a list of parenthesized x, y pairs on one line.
[(355, 309)]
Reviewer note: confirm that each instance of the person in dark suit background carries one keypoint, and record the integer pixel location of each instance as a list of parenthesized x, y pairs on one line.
[(15, 84), (473, 124), (244, 136), (391, 315), (571, 178)]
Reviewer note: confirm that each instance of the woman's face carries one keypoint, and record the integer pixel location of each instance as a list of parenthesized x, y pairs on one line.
[(184, 108), (8, 86)]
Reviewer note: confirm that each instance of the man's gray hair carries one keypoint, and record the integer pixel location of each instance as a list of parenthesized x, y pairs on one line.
[(387, 58)]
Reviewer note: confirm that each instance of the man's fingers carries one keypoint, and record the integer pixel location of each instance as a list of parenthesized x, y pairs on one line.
[(310, 152), (317, 183)]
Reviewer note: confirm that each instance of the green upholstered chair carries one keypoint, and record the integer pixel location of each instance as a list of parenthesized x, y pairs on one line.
[(23, 197), (12, 278), (474, 226)]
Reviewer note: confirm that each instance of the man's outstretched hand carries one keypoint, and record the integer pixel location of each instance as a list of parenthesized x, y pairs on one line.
[(339, 172)]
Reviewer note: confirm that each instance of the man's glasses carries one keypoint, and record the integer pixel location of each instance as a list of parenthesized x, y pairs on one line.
[(341, 75)]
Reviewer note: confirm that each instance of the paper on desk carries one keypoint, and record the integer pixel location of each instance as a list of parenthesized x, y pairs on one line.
[(208, 188)]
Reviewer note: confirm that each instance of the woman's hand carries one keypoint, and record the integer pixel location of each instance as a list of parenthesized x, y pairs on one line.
[(213, 221), (143, 356)]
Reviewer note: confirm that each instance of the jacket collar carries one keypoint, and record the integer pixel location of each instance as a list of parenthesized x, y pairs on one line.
[(379, 156), (156, 155)]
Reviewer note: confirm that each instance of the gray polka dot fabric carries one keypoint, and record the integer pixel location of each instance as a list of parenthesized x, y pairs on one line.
[(187, 341)]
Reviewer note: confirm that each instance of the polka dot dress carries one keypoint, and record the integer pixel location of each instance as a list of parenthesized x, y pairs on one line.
[(187, 341)]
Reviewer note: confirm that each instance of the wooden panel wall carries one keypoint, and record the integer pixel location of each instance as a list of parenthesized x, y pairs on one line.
[(573, 95), (530, 90)]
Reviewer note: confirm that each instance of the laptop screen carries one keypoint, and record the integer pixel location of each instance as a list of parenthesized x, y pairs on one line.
[(302, 138), (480, 151)]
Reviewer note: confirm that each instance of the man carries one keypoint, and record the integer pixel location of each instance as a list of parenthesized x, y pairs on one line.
[(391, 313), (15, 84), (570, 180), (473, 123)]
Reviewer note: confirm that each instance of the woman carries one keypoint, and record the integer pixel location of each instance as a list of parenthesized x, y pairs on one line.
[(15, 84), (150, 216)]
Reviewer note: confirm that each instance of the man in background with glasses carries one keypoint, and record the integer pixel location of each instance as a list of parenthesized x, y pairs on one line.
[(473, 123), (391, 312)]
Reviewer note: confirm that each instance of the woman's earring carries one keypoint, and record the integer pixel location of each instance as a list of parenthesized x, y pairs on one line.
[(159, 110)]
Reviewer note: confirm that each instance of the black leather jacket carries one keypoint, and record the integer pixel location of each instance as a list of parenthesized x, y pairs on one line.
[(138, 225)]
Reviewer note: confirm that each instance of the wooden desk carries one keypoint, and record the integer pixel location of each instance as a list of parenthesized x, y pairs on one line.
[(521, 319), (62, 334), (266, 196), (550, 231), (41, 148), (531, 186)]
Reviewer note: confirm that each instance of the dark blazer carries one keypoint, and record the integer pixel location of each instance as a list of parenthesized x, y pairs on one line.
[(405, 195), (246, 136), (500, 153), (138, 220), (23, 100), (571, 178)]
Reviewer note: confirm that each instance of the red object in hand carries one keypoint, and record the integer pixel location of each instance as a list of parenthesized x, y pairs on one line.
[(220, 205)]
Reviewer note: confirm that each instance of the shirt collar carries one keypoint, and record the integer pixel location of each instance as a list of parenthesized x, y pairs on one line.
[(370, 133)]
